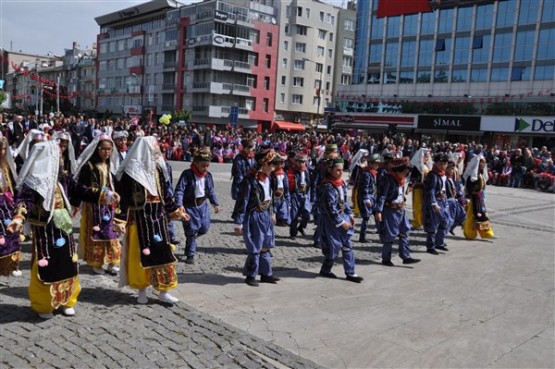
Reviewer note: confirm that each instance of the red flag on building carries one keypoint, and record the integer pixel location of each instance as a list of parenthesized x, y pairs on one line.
[(390, 8)]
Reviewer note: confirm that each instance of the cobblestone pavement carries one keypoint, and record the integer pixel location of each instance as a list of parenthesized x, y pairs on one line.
[(110, 330)]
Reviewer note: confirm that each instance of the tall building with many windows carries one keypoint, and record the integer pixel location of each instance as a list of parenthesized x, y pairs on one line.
[(481, 51)]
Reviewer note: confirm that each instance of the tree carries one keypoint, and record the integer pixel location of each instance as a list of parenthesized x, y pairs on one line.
[(3, 98)]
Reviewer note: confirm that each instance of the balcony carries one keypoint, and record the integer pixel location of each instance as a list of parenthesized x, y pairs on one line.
[(347, 51), (243, 44), (169, 65), (170, 44), (241, 90), (218, 88), (140, 50), (139, 70), (216, 111), (345, 69), (239, 66), (168, 86)]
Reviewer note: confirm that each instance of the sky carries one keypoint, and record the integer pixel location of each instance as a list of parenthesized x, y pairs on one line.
[(51, 26)]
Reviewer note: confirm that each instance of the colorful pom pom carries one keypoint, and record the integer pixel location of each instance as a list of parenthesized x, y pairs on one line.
[(2, 240), (157, 238), (43, 262), (7, 221), (96, 228), (106, 218), (146, 251), (60, 242)]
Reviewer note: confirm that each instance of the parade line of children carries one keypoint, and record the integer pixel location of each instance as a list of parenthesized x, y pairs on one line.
[(123, 187)]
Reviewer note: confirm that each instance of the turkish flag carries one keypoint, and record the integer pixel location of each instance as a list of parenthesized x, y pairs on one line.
[(389, 8)]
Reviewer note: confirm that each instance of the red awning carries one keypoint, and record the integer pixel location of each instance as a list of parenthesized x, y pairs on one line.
[(287, 126)]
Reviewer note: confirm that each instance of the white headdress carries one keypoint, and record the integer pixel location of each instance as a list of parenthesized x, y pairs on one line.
[(61, 135), (23, 148), (472, 169), (120, 134), (40, 172), (356, 159), (141, 161), (88, 153), (417, 161)]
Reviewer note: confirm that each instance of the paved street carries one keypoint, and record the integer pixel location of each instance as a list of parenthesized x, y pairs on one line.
[(485, 303)]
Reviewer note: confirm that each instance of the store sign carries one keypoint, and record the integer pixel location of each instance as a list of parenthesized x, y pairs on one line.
[(511, 124), (449, 122), (218, 14)]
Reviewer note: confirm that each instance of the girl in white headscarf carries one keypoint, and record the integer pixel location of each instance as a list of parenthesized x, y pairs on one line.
[(98, 240), (43, 201), (147, 254), (422, 164), (475, 178)]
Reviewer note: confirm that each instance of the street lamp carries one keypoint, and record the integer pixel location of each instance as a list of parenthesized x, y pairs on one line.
[(319, 84)]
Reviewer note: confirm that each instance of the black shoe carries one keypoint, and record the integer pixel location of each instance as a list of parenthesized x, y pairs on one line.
[(268, 279), (442, 248), (190, 260), (175, 242), (388, 263), (251, 281), (452, 231), (362, 240), (301, 231), (432, 251), (328, 275), (411, 261), (354, 278)]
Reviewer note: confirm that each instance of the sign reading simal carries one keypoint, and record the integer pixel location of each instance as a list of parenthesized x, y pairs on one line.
[(451, 122)]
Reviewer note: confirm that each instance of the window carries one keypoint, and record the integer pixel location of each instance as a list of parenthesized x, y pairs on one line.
[(320, 51), (459, 76), (481, 54), (393, 26), (319, 67), (548, 14), (441, 76), (282, 98), (299, 11), (478, 75), (428, 23), (297, 99), (284, 62), (266, 83), (425, 53), (502, 47), (376, 30), (321, 16), (544, 73), (410, 25), (499, 74), (298, 81), (328, 85), (462, 48), (391, 53), (349, 25), (443, 56), (268, 61), (406, 77), (440, 44), (265, 103), (299, 65), (464, 19), (528, 12), (424, 76), (315, 100), (375, 57), (283, 80), (524, 46), (349, 43), (251, 82), (300, 47), (478, 42), (317, 84), (300, 30), (121, 45), (445, 21), (328, 70), (330, 53), (286, 28), (268, 39), (408, 53), (307, 11), (517, 73), (331, 37), (285, 45), (322, 34), (545, 44), (484, 16), (345, 79), (288, 11), (506, 13)]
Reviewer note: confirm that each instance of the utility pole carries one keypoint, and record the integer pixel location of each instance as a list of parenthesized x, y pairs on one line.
[(58, 93)]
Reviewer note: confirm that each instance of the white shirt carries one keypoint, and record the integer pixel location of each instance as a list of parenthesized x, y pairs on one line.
[(266, 185), (199, 186), (279, 178)]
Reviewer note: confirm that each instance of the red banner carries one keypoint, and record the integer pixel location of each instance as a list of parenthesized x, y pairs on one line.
[(389, 8)]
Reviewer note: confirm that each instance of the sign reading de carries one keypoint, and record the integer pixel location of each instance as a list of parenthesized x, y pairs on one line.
[(533, 125), (449, 122)]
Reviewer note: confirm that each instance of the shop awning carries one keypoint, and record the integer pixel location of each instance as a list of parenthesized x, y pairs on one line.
[(287, 126)]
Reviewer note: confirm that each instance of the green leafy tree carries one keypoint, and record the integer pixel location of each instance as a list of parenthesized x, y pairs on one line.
[(3, 98)]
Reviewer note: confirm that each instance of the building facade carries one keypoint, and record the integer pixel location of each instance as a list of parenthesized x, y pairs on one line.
[(476, 53)]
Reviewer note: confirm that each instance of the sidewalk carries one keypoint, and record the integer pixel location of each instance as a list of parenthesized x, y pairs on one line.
[(482, 304)]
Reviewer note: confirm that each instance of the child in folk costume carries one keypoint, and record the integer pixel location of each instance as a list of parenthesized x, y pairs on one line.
[(242, 164), (280, 189), (44, 202), (421, 164), (437, 217), (455, 197), (9, 242), (359, 162), (336, 222), (298, 178), (254, 219), (367, 183), (193, 191), (477, 221), (147, 255), (391, 213), (98, 239)]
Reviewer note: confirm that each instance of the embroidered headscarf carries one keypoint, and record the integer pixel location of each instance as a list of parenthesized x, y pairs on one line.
[(87, 154), (356, 159), (141, 161), (61, 135)]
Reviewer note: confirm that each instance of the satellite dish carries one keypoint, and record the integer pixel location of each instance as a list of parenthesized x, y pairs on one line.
[(274, 20)]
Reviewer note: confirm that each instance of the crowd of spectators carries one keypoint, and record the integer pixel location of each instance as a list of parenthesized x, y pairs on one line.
[(508, 166)]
